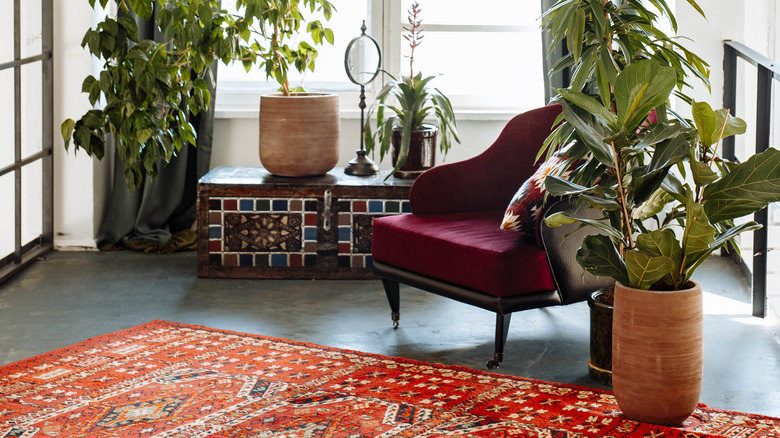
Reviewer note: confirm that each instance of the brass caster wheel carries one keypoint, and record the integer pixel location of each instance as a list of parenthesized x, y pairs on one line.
[(497, 358), (396, 317)]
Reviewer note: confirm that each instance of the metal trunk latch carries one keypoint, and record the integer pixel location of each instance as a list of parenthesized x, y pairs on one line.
[(326, 210)]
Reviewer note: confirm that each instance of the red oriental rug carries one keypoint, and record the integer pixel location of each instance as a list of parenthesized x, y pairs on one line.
[(172, 380)]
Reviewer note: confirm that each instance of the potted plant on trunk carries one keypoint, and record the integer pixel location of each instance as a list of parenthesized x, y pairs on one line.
[(602, 38), (658, 224), (148, 88), (299, 131), (403, 125)]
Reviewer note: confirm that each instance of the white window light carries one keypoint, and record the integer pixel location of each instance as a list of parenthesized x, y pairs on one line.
[(487, 60)]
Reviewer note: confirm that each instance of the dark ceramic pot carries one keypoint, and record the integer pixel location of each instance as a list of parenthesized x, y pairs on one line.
[(600, 363), (422, 151)]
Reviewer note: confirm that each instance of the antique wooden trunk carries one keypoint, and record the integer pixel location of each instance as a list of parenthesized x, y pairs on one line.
[(252, 224)]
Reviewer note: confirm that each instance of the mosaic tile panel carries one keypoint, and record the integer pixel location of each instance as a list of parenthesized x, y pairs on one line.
[(263, 232), (355, 227), (283, 232)]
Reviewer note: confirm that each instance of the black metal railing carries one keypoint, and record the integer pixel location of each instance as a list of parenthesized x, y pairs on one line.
[(768, 71)]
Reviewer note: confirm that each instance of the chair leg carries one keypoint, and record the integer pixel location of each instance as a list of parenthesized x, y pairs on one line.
[(502, 331), (392, 290)]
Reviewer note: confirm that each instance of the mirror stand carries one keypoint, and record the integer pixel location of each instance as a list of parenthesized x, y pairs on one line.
[(361, 165), (362, 61)]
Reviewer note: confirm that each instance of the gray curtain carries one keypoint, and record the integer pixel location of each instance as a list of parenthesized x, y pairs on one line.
[(158, 217), (561, 78)]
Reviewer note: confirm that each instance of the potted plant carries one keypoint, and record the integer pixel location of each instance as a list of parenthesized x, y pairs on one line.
[(668, 202), (403, 107), (299, 131), (147, 89), (590, 31), (658, 226)]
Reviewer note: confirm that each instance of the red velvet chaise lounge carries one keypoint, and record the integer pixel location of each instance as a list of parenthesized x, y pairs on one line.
[(452, 244)]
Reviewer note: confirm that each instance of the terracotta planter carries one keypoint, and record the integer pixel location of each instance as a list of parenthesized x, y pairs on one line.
[(657, 353), (299, 134), (422, 151), (600, 363)]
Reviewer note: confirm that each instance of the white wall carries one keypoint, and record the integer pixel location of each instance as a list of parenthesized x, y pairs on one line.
[(236, 139), (73, 174)]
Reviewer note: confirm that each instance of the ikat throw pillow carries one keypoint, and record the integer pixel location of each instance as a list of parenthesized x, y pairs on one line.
[(524, 213)]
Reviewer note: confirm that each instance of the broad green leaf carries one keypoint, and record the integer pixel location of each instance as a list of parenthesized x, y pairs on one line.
[(709, 123), (702, 174), (644, 270), (660, 132), (599, 256), (652, 205), (601, 203), (558, 186), (142, 8), (749, 187), (639, 88), (589, 104), (660, 243), (698, 234), (564, 218), (590, 137), (575, 33), (560, 219), (663, 243), (67, 131), (693, 261)]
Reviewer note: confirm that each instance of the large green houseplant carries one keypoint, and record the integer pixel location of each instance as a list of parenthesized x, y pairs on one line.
[(668, 202), (147, 89), (601, 38), (405, 106)]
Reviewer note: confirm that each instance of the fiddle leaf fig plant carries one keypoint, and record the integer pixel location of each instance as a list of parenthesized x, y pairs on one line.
[(147, 89), (668, 200)]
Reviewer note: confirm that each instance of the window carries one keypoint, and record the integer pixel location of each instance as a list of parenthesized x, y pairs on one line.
[(487, 60)]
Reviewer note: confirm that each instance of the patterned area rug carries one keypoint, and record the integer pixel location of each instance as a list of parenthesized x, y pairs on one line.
[(171, 380)]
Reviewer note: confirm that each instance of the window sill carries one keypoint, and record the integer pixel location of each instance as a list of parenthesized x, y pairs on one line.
[(244, 112)]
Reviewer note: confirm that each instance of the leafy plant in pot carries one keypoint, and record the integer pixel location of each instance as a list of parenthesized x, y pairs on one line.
[(299, 131), (659, 225), (147, 88), (602, 38), (403, 125)]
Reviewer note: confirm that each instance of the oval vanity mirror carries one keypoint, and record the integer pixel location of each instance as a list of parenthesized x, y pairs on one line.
[(362, 59)]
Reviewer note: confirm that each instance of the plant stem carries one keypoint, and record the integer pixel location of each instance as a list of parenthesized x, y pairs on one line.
[(626, 217)]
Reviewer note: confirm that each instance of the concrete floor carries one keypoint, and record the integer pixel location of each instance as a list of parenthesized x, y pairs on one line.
[(71, 296)]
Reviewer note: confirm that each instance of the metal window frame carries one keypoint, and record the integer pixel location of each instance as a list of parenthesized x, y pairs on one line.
[(767, 71), (26, 253)]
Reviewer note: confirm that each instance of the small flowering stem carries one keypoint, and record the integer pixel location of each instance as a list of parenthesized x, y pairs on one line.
[(415, 36)]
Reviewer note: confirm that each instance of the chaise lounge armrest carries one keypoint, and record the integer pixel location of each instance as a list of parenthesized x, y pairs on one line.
[(489, 180)]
